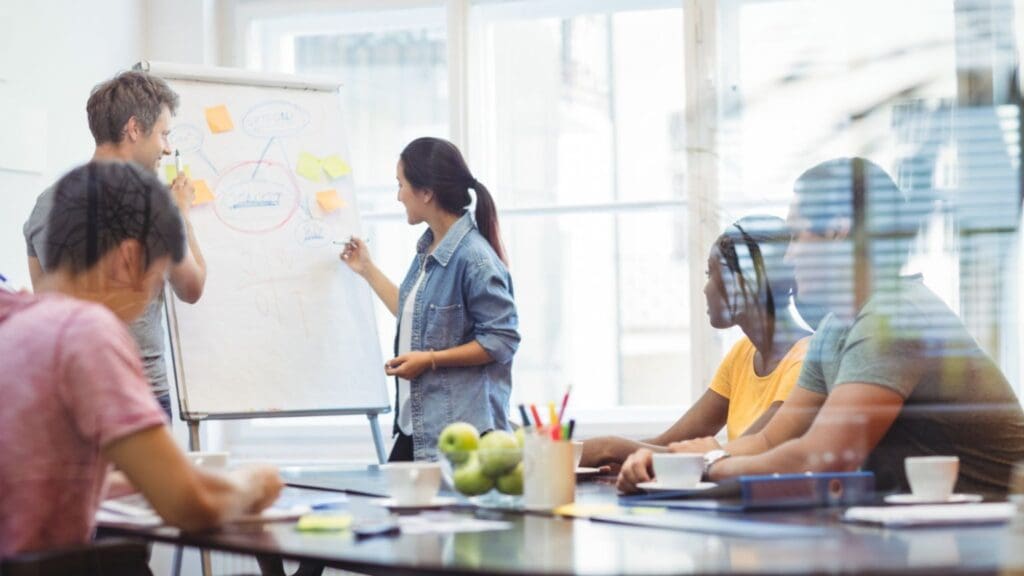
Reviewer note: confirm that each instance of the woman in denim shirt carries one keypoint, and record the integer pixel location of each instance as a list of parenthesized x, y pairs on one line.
[(457, 323)]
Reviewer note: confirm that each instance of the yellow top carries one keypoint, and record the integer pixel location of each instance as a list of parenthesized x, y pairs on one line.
[(750, 395)]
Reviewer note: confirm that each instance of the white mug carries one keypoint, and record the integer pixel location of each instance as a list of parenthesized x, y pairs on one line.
[(932, 477), (412, 483), (678, 470), (577, 453)]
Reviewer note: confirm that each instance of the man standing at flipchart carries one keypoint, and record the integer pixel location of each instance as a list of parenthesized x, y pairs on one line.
[(129, 117)]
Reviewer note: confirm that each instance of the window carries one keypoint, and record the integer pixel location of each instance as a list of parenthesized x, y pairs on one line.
[(576, 117), (574, 114)]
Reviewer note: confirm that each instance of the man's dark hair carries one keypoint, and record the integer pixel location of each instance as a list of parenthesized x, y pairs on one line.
[(134, 93), (98, 206)]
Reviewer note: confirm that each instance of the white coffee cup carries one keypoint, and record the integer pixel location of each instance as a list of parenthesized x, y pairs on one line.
[(412, 483), (932, 477), (211, 460), (675, 470), (577, 453)]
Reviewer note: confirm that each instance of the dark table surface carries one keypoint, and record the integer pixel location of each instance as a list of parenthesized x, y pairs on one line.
[(541, 544)]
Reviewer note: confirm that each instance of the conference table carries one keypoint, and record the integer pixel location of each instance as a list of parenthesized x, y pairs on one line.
[(785, 542)]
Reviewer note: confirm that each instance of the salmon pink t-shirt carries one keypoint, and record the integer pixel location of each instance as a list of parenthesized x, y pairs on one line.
[(70, 384)]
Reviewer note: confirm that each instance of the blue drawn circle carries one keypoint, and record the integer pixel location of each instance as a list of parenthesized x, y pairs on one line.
[(312, 233), (274, 119), (186, 138)]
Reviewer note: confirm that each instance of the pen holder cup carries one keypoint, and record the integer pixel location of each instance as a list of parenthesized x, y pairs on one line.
[(549, 473)]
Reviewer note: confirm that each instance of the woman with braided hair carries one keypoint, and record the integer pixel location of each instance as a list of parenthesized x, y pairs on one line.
[(749, 285)]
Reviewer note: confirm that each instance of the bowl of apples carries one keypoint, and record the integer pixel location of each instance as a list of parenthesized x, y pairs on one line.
[(488, 469)]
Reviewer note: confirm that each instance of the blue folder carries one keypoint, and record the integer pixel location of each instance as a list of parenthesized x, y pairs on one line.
[(768, 492)]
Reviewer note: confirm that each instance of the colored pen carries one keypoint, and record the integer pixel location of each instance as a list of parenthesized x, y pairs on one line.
[(565, 400), (351, 238), (536, 416), (177, 160), (552, 414), (522, 414), (572, 425)]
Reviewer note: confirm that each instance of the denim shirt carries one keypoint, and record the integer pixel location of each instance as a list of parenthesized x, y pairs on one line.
[(466, 295)]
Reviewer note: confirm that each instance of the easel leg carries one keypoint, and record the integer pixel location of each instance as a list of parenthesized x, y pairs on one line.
[(193, 444), (193, 435), (378, 438)]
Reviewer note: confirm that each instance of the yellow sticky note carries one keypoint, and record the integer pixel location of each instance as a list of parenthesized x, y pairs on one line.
[(171, 171), (203, 194), (309, 167), (324, 522), (586, 510), (336, 167), (329, 200), (219, 119)]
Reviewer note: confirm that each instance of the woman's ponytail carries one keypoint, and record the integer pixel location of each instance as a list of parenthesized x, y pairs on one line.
[(487, 219)]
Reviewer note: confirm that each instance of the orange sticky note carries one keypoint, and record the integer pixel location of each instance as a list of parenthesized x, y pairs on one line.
[(219, 119), (329, 200), (335, 166), (203, 194)]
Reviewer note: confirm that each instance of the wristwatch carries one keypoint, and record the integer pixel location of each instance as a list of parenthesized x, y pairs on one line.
[(712, 457)]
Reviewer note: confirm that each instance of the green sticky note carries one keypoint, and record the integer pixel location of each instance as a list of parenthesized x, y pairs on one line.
[(336, 167), (171, 171), (309, 167), (324, 522)]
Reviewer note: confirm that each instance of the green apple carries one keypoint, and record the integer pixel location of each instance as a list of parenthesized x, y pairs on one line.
[(520, 436), (499, 453), (458, 440), (511, 483), (470, 478)]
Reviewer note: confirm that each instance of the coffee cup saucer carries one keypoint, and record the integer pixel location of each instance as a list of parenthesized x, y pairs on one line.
[(433, 503), (951, 499), (655, 486)]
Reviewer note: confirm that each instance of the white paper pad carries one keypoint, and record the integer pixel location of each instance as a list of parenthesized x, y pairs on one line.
[(134, 510), (445, 522), (936, 515)]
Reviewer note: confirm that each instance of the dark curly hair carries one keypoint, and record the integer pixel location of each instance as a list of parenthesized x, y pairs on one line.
[(98, 206)]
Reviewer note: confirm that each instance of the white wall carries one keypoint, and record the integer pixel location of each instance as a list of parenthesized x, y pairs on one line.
[(51, 55)]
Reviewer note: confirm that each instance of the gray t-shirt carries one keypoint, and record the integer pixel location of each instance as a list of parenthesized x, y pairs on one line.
[(147, 330), (956, 400)]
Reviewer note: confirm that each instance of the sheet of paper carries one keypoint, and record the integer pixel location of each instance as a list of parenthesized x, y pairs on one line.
[(336, 167), (292, 504), (329, 200), (219, 119), (934, 515), (203, 194), (446, 522), (309, 167)]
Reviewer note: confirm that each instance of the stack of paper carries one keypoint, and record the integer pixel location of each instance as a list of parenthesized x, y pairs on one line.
[(937, 515)]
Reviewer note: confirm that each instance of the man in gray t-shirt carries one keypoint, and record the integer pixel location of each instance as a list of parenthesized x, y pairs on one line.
[(891, 371), (955, 399), (129, 117)]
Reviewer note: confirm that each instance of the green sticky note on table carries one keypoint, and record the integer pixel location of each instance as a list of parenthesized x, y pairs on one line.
[(171, 171), (324, 522), (309, 167), (336, 167)]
